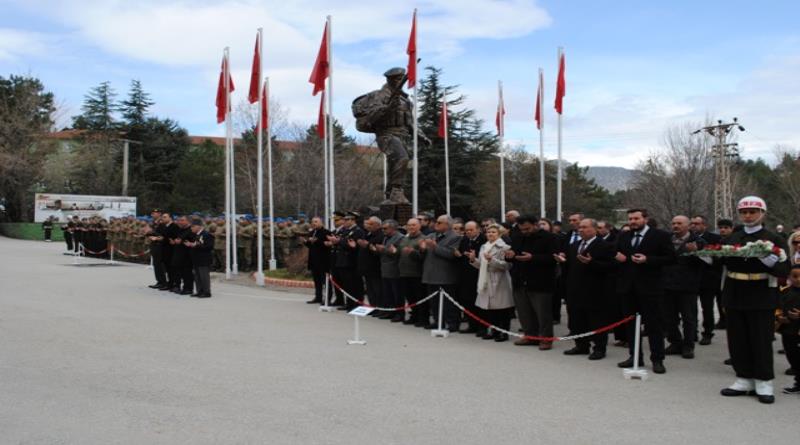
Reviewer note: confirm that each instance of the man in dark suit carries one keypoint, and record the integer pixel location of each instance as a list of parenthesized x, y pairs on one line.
[(346, 258), (472, 241), (368, 265), (608, 233), (181, 260), (586, 265), (318, 256), (169, 231), (641, 254), (569, 239), (681, 286), (200, 250), (157, 250), (440, 270), (711, 281)]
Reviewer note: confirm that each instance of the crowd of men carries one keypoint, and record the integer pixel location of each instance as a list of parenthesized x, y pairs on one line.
[(602, 274)]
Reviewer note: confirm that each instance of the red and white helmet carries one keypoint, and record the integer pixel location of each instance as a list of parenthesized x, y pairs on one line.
[(752, 202)]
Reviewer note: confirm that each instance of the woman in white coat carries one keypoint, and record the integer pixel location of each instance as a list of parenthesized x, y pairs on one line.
[(495, 294)]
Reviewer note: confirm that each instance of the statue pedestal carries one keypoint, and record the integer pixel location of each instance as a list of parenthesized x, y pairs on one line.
[(398, 212)]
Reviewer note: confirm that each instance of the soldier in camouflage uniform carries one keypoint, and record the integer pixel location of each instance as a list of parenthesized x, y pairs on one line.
[(244, 243)]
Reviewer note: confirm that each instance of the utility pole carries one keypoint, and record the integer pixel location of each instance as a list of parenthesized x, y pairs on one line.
[(125, 160), (723, 152)]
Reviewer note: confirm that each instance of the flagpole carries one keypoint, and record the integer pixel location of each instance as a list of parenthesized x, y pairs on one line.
[(234, 252), (273, 264), (385, 173), (260, 172), (446, 153), (415, 166), (542, 208), (330, 116), (501, 133), (559, 177), (227, 168), (328, 214)]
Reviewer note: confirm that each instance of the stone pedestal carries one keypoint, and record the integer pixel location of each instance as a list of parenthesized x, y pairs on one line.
[(398, 212)]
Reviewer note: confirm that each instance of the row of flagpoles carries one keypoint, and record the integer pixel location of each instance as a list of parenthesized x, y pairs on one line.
[(322, 80)]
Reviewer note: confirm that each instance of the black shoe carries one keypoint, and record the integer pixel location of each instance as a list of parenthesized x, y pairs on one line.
[(790, 371), (155, 286), (165, 288), (673, 349), (195, 294), (314, 301), (706, 340), (728, 392), (501, 337), (432, 326), (597, 355), (576, 351), (488, 336), (781, 351), (204, 296), (342, 308), (629, 363), (792, 389), (658, 367), (766, 399), (399, 318), (175, 290), (728, 362), (386, 316), (420, 324), (185, 292), (687, 352), (408, 322), (480, 332), (453, 328)]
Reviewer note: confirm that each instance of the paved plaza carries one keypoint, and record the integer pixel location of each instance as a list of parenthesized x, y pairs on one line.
[(90, 355)]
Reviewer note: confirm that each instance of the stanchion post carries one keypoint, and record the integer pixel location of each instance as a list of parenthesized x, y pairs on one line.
[(111, 253), (151, 262), (357, 337), (325, 307), (439, 332), (636, 372)]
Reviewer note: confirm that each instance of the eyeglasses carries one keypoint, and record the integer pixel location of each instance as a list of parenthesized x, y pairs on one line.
[(795, 242)]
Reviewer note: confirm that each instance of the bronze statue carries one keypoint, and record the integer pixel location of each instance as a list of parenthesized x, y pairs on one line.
[(388, 114)]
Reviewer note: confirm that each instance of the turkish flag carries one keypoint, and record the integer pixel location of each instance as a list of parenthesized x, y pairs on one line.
[(443, 120), (264, 109), (255, 75), (321, 118), (411, 50), (561, 85), (321, 66), (221, 94), (539, 117)]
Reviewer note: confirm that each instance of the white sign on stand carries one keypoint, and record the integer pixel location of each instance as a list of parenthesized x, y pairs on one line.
[(357, 313)]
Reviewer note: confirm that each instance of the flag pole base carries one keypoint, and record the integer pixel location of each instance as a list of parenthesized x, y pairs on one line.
[(327, 309), (260, 278), (273, 264)]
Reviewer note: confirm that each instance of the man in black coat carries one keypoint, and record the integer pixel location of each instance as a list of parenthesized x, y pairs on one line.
[(642, 252), (181, 260), (169, 230), (318, 256), (585, 266), (200, 250), (711, 281), (681, 286), (472, 241), (156, 238), (345, 261), (368, 265)]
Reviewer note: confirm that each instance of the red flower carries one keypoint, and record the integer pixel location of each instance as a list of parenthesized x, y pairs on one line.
[(776, 250)]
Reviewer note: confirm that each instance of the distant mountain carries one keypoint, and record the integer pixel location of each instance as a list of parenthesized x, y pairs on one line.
[(612, 179)]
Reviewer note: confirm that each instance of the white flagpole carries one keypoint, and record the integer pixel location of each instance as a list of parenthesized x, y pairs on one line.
[(260, 173), (446, 153), (559, 177), (328, 214), (415, 166), (234, 224), (330, 116), (227, 168), (273, 264), (501, 133), (542, 208), (385, 173)]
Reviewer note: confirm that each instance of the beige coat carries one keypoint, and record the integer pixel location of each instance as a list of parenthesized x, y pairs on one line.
[(498, 293)]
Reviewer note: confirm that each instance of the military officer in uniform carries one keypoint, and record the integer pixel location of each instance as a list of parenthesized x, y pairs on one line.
[(750, 296)]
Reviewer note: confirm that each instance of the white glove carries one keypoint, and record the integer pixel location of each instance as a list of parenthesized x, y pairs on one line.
[(770, 260)]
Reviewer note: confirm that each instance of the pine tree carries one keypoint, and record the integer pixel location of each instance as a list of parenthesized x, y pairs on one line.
[(135, 108), (469, 147), (98, 108)]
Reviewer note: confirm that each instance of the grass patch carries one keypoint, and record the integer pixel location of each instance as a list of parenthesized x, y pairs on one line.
[(29, 231), (283, 274)]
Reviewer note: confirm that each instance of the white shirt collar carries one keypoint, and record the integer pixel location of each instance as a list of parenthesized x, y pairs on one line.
[(754, 229), (643, 230)]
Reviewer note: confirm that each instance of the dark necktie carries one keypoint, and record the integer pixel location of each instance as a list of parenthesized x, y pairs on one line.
[(637, 238), (582, 248)]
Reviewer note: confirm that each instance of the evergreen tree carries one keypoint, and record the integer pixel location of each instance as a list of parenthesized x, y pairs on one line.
[(135, 107), (469, 147), (98, 108)]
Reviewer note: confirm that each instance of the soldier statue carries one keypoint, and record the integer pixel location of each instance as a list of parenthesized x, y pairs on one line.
[(388, 114)]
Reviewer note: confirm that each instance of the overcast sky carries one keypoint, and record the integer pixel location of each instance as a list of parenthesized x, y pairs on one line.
[(633, 68)]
